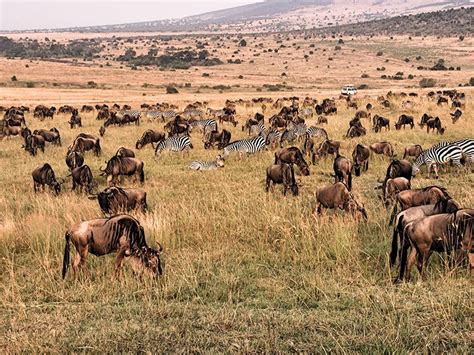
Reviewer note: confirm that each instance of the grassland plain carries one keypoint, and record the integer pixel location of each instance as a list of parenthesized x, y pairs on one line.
[(245, 271)]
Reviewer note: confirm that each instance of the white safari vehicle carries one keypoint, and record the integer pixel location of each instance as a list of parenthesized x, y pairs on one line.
[(348, 90)]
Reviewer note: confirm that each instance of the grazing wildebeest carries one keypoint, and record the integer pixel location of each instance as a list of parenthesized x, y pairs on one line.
[(82, 145), (75, 121), (434, 123), (380, 122), (44, 175), (414, 213), (101, 131), (87, 108), (33, 142), (322, 119), (292, 155), (425, 118), (412, 151), (444, 232), (399, 168), (82, 178), (338, 196), (360, 156), (384, 148), (125, 152), (391, 187), (412, 198), (404, 120), (51, 136), (117, 166), (343, 171), (222, 139), (102, 236), (328, 147), (282, 173), (8, 131), (456, 115), (74, 159), (356, 131), (115, 199), (149, 137), (442, 100)]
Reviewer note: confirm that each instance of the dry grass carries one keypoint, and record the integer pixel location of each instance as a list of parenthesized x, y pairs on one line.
[(245, 271)]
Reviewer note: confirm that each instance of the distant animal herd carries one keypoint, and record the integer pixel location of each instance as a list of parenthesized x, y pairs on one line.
[(424, 220)]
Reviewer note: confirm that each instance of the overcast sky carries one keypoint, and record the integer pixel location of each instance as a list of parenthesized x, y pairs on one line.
[(39, 14)]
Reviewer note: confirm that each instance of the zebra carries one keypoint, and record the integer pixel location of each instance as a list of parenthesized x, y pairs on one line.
[(257, 129), (174, 144), (131, 113), (168, 115), (440, 153), (215, 113), (207, 165), (272, 137), (153, 115), (317, 132), (249, 146), (467, 147), (291, 134), (307, 112), (204, 125)]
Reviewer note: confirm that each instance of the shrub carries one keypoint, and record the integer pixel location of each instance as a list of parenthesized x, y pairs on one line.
[(337, 48), (427, 82), (243, 43), (14, 78), (363, 87), (471, 81), (30, 84), (379, 53), (92, 84), (171, 90), (364, 76)]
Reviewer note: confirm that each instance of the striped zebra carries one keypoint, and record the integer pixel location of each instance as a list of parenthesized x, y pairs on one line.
[(204, 125), (317, 132), (132, 113), (174, 144), (440, 153), (272, 137), (153, 115), (168, 115), (207, 165), (291, 134), (467, 147), (249, 146), (215, 113), (257, 129)]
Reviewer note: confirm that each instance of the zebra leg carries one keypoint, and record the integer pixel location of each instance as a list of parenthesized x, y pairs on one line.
[(435, 168)]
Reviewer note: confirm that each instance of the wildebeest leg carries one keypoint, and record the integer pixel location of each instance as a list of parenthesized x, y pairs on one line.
[(423, 257), (119, 261), (411, 261)]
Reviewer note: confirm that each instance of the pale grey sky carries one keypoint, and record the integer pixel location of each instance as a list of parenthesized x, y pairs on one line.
[(39, 14)]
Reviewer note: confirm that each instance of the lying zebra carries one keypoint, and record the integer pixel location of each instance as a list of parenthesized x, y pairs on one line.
[(207, 165)]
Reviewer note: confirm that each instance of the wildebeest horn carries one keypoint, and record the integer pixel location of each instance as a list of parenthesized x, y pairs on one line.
[(160, 247)]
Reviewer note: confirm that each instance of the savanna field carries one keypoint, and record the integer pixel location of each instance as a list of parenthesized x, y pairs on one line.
[(244, 270)]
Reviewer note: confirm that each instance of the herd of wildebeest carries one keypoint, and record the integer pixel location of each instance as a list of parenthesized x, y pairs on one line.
[(425, 220)]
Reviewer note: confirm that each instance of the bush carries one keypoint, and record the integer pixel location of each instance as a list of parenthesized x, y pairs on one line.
[(471, 81), (14, 78), (364, 76), (243, 43), (379, 53), (363, 87), (171, 90), (92, 84), (427, 83), (30, 84)]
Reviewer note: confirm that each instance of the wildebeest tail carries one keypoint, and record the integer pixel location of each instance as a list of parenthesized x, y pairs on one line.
[(394, 250), (142, 175), (98, 149), (349, 181), (67, 250)]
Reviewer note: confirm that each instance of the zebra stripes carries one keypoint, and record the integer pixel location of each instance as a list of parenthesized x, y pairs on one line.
[(317, 132), (440, 153), (467, 147), (249, 146), (273, 136), (207, 165), (257, 129), (291, 134), (174, 144), (132, 113), (204, 125), (168, 115)]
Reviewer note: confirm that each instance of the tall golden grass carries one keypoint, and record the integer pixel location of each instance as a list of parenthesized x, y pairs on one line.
[(245, 271)]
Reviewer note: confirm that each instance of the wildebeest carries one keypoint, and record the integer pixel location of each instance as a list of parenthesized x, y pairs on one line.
[(356, 131), (33, 142), (404, 120), (82, 144), (322, 120), (343, 171), (44, 175), (117, 166), (328, 147), (149, 137), (102, 236), (338, 196), (222, 139), (360, 156), (425, 118), (282, 173), (82, 178), (412, 151), (115, 199), (414, 213), (382, 148), (125, 152), (292, 155), (441, 233), (87, 108), (399, 168), (434, 123), (411, 198), (8, 131), (51, 136), (74, 159), (75, 121), (380, 122), (391, 187), (456, 115)]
